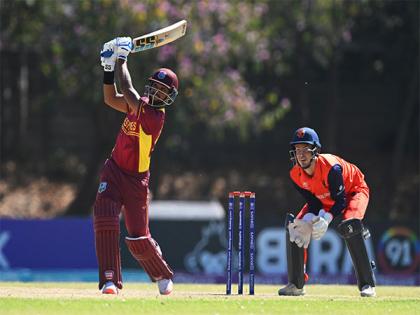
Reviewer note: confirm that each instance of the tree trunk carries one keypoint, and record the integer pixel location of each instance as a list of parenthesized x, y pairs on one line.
[(401, 142), (332, 107), (85, 197), (302, 68), (23, 103), (333, 102)]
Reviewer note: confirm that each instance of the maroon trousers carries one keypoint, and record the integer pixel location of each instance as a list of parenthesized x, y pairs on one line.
[(118, 190)]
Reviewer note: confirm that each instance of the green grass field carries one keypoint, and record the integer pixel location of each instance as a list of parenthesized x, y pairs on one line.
[(83, 298)]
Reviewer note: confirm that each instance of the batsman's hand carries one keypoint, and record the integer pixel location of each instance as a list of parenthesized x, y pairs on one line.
[(320, 224), (300, 232), (108, 55), (124, 46)]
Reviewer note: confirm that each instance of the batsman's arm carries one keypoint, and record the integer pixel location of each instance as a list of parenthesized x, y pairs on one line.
[(129, 92), (111, 96)]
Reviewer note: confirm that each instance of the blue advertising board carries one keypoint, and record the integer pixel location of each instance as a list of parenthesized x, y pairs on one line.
[(47, 244), (63, 249)]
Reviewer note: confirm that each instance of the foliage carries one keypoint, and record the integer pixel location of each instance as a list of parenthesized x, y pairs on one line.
[(250, 72), (230, 63)]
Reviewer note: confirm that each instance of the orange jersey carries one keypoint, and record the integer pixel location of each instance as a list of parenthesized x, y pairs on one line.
[(331, 186), (137, 138)]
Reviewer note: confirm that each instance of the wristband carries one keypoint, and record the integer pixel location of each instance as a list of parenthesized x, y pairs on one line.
[(108, 77)]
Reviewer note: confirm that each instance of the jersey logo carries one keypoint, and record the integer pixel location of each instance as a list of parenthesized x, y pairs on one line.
[(300, 133), (323, 196), (161, 75), (102, 187)]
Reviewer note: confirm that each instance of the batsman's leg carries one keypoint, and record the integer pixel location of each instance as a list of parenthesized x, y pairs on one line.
[(149, 255), (140, 243), (353, 233), (107, 234), (295, 265)]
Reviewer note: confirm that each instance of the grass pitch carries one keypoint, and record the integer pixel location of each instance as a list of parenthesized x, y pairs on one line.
[(84, 298)]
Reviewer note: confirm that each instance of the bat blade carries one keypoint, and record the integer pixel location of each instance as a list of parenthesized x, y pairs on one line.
[(160, 37)]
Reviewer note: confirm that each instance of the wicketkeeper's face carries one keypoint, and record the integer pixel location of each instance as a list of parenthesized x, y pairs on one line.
[(304, 154)]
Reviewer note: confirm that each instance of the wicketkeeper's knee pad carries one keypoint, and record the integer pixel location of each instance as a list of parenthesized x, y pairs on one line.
[(354, 234), (107, 238), (295, 258), (149, 255)]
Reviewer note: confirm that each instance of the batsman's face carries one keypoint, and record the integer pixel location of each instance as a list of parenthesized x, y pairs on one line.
[(303, 153), (162, 90)]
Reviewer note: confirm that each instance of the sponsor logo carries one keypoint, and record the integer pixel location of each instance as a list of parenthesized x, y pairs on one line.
[(399, 251), (209, 254), (4, 238), (102, 187), (109, 274)]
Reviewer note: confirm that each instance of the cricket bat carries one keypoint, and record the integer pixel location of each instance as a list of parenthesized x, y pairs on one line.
[(160, 37)]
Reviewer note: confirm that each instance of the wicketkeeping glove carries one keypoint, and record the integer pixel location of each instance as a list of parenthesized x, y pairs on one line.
[(124, 46), (320, 224), (108, 55), (300, 232)]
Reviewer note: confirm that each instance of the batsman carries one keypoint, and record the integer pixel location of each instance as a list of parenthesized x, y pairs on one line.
[(124, 179), (333, 189)]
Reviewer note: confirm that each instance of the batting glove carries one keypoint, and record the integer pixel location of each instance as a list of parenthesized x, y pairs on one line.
[(124, 46), (320, 224), (108, 56)]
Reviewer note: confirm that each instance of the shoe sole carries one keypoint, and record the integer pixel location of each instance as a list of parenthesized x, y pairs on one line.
[(367, 295), (109, 291), (291, 294)]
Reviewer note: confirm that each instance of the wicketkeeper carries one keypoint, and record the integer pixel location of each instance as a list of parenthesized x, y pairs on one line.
[(332, 188), (124, 179)]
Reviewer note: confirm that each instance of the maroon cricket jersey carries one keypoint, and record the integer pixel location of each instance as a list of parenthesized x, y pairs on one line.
[(138, 135)]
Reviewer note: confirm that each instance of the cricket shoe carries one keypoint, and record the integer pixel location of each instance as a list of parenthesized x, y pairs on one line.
[(291, 290), (109, 288), (368, 291), (165, 286)]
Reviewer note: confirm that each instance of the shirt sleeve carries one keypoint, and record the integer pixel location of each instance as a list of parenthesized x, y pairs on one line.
[(314, 204), (337, 191)]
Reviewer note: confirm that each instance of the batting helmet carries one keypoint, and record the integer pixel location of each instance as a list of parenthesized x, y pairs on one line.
[(306, 135), (167, 78)]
